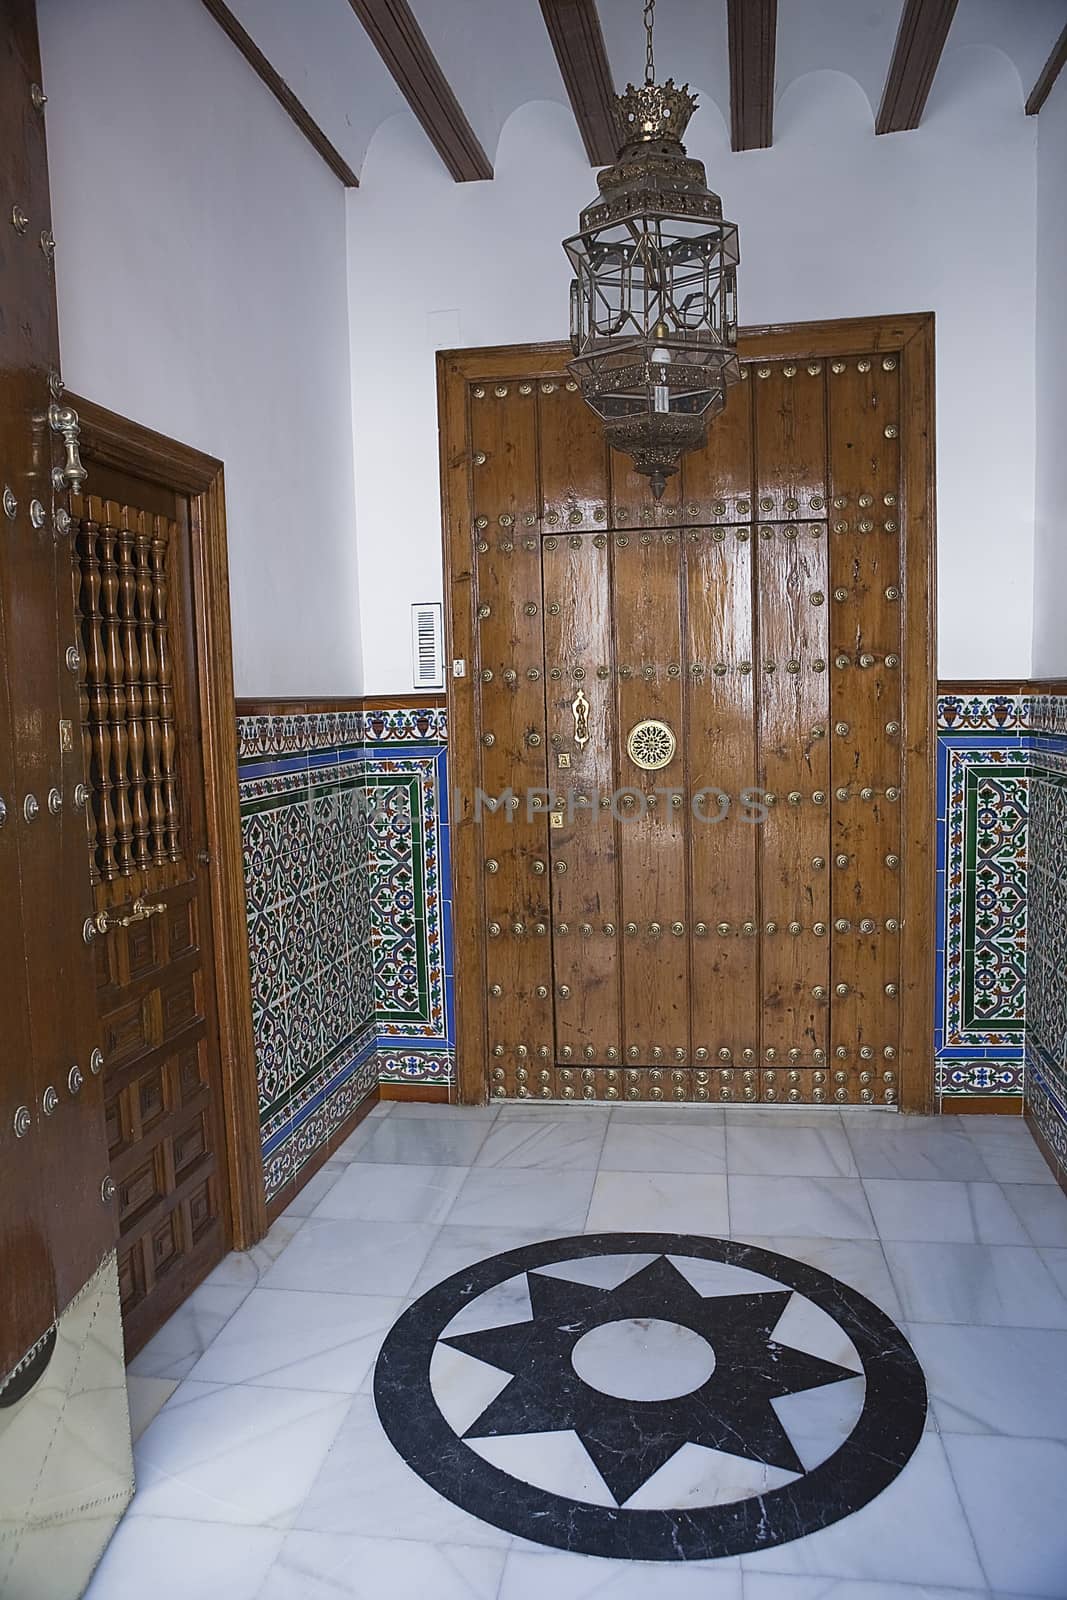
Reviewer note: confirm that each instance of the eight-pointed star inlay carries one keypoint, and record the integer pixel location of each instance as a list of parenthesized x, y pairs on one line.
[(629, 1440)]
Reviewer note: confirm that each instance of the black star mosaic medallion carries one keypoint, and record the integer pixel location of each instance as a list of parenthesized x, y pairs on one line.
[(514, 1355)]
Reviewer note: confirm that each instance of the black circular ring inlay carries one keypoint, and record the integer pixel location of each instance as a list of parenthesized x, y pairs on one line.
[(887, 1431)]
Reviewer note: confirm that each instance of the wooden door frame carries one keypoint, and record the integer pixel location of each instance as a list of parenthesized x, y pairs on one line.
[(913, 336), (115, 441)]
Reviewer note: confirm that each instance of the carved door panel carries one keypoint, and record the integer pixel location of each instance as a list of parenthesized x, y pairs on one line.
[(155, 970), (690, 718)]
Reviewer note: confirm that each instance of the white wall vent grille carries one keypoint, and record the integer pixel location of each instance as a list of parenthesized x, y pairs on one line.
[(428, 646)]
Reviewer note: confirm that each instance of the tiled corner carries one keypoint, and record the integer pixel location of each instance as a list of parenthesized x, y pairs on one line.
[(409, 885), (983, 789), (1046, 1022), (1001, 1023), (344, 819)]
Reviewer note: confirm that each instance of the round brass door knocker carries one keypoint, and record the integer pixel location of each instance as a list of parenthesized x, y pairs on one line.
[(651, 744)]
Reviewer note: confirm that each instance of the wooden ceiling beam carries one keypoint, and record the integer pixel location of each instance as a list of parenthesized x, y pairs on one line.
[(282, 92), (753, 27), (924, 26), (1049, 73), (574, 29), (402, 45)]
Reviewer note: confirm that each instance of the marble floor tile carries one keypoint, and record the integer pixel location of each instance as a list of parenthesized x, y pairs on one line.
[(651, 1202), (790, 1586), (360, 1134), (174, 1351), (834, 1208), (663, 1112), (377, 1192), (674, 1147), (341, 1566), (172, 1559), (1056, 1262), (1021, 1534), (433, 1142), (520, 1197), (1007, 1147), (563, 1145), (426, 1110), (588, 1113), (365, 1488), (147, 1397), (344, 1257), (858, 1262), (234, 1453), (943, 1211), (244, 1268), (457, 1247), (930, 1152), (809, 1152), (914, 1532), (995, 1380), (317, 1188), (766, 1116), (284, 1339), (533, 1576), (987, 1285), (1042, 1209)]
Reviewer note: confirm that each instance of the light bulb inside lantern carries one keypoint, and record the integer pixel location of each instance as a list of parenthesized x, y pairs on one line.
[(660, 392)]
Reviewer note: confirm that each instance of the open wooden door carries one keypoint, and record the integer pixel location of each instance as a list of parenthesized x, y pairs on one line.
[(164, 978)]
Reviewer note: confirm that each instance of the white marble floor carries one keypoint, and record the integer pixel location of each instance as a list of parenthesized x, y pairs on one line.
[(264, 1474)]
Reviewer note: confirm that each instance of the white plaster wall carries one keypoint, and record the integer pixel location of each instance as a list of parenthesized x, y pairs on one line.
[(1050, 553), (834, 222), (201, 285)]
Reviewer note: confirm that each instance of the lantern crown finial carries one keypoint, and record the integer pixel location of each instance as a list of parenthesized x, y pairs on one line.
[(654, 111)]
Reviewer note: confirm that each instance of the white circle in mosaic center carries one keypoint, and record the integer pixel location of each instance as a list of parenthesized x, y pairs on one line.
[(643, 1358)]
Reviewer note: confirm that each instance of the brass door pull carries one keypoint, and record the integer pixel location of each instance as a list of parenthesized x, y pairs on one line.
[(141, 912), (580, 711)]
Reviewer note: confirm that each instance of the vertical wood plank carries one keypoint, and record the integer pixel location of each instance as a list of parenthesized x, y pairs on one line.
[(574, 467), (579, 660), (866, 718), (652, 829), (512, 829), (723, 839)]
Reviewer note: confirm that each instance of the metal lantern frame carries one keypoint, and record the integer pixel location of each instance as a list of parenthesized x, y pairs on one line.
[(654, 296)]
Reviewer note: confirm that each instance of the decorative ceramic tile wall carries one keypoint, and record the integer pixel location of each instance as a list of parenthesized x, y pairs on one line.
[(345, 825), (1001, 1024), (410, 878), (983, 789), (305, 842), (1046, 1023)]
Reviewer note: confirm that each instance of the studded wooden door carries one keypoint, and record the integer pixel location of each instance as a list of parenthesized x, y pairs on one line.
[(148, 862), (696, 765)]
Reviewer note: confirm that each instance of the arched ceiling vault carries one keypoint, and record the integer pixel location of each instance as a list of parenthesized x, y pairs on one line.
[(341, 68)]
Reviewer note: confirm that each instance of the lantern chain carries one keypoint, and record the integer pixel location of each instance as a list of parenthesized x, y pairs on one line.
[(650, 60)]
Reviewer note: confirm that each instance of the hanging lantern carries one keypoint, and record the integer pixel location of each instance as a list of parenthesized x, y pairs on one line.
[(654, 297)]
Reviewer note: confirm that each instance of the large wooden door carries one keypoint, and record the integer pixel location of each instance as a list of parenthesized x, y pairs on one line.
[(148, 859), (56, 1216), (691, 739)]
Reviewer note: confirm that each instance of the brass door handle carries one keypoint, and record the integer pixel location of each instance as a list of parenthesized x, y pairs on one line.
[(580, 712), (141, 912)]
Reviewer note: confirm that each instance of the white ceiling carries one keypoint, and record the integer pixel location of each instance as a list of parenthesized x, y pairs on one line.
[(496, 53)]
